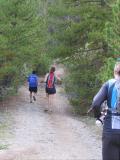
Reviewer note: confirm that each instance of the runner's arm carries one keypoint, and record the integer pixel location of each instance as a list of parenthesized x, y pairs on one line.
[(99, 98), (45, 79), (57, 79)]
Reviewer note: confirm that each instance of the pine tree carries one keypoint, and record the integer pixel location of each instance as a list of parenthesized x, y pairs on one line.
[(22, 40), (113, 29), (78, 39)]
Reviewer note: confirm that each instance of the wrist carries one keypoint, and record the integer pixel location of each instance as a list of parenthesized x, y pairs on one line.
[(98, 119)]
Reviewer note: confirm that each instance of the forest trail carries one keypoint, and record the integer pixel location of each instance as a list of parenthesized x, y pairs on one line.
[(36, 135)]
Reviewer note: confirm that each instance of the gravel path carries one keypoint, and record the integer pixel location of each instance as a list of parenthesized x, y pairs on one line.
[(36, 135)]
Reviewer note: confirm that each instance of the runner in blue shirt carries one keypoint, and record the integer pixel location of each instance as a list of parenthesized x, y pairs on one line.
[(33, 85)]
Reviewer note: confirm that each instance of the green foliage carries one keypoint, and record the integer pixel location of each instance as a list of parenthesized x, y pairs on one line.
[(112, 29), (111, 33), (82, 83), (43, 65), (106, 71), (78, 40), (23, 40), (82, 34), (2, 146)]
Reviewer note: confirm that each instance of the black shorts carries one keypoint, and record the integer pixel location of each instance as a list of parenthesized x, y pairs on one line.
[(33, 89), (50, 90)]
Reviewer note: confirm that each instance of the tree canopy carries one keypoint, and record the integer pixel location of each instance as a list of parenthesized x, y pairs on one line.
[(80, 41), (23, 38), (82, 34)]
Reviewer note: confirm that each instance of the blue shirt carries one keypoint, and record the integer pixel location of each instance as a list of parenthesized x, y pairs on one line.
[(33, 80)]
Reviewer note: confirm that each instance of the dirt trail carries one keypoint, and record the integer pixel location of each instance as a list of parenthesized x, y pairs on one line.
[(36, 135)]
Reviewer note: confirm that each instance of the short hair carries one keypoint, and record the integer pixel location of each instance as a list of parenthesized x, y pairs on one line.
[(33, 72), (52, 69), (117, 68)]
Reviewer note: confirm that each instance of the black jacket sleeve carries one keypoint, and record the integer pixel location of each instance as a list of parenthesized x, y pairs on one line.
[(99, 98)]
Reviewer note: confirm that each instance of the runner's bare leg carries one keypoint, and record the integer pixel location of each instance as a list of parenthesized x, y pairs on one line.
[(30, 97)]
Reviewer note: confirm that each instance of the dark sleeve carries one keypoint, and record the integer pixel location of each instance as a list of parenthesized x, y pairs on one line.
[(99, 98)]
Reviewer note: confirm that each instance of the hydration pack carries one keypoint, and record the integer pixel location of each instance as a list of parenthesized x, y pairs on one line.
[(50, 80), (33, 80), (114, 91)]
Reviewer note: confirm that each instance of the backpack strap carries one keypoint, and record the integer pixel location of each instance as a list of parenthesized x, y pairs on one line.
[(48, 78), (111, 85), (53, 81)]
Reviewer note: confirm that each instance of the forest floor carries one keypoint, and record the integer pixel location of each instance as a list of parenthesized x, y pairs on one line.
[(27, 132)]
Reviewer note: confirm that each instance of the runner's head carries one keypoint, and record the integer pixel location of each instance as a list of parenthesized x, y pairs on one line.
[(117, 69), (33, 72), (52, 70)]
